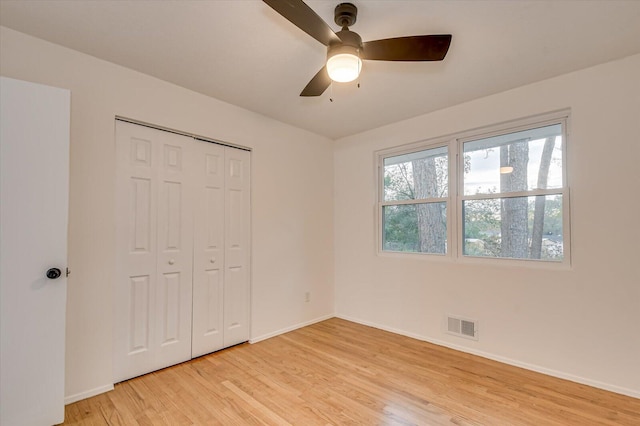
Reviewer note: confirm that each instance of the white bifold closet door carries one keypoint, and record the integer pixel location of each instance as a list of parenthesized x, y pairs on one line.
[(154, 227), (221, 249), (182, 220)]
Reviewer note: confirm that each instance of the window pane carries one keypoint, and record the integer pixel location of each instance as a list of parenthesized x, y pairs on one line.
[(419, 228), (518, 227), (520, 161), (417, 175)]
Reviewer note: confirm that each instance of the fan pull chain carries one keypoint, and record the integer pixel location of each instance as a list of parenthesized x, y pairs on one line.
[(359, 68), (331, 92)]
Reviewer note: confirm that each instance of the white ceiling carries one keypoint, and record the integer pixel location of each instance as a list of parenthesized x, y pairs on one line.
[(244, 53)]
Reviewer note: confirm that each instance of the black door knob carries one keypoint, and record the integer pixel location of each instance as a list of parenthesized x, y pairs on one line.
[(53, 273)]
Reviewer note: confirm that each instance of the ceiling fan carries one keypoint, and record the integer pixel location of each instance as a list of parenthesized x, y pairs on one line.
[(345, 49)]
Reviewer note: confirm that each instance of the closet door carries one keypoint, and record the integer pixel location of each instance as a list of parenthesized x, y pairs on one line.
[(221, 253), (153, 292), (208, 253), (236, 246)]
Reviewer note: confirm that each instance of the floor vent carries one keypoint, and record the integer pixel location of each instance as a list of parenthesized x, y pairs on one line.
[(462, 327)]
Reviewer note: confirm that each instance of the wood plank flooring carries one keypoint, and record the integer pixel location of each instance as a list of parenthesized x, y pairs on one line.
[(340, 373)]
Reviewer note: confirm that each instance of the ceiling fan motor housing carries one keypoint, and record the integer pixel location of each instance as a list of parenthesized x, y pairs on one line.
[(351, 43)]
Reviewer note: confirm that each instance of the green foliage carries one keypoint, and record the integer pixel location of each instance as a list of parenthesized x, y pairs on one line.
[(482, 227), (552, 215), (482, 218), (401, 228), (398, 182)]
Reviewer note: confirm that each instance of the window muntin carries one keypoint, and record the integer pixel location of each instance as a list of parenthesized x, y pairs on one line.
[(415, 189), (473, 202)]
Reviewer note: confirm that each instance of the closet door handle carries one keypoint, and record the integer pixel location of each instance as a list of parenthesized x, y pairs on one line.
[(212, 260), (171, 261)]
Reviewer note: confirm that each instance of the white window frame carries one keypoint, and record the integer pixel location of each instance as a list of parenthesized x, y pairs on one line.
[(456, 197), (381, 203)]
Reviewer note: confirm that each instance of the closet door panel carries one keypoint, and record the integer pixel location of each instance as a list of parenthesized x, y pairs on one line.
[(208, 279), (140, 287), (134, 295), (237, 208), (154, 234), (175, 249)]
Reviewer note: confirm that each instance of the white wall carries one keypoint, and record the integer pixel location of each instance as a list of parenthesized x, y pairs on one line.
[(580, 323), (292, 249)]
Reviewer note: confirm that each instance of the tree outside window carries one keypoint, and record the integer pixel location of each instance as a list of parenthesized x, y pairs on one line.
[(510, 197)]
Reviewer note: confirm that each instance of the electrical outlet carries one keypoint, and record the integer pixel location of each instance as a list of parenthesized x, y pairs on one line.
[(307, 296)]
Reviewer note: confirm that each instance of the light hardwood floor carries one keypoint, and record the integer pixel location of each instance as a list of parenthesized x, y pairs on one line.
[(340, 373)]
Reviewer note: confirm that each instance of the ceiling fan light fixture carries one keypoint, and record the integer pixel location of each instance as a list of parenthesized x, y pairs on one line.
[(345, 49), (343, 64)]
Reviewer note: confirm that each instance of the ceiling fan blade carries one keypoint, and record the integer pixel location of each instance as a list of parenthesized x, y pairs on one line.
[(318, 84), (412, 48), (303, 17)]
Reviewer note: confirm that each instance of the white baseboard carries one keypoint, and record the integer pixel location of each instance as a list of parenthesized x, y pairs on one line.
[(87, 394), (291, 328), (549, 372)]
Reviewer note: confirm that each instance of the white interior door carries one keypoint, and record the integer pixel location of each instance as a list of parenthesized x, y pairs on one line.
[(208, 254), (237, 229), (153, 294), (34, 188), (175, 249), (221, 253)]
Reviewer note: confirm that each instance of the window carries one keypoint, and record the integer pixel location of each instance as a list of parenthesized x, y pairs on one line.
[(513, 194), (505, 197), (414, 205)]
